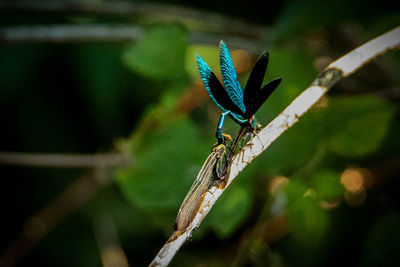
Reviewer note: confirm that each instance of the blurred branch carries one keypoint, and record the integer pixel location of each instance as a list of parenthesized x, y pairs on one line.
[(152, 10), (111, 252), (69, 33), (205, 27), (72, 198), (107, 33), (63, 160), (336, 71)]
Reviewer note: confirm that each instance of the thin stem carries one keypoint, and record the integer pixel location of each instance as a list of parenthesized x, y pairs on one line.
[(63, 160), (213, 20), (108, 242), (71, 33)]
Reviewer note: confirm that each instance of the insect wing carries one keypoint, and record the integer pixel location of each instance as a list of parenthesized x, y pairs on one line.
[(229, 77), (262, 95), (215, 88), (202, 183), (254, 82)]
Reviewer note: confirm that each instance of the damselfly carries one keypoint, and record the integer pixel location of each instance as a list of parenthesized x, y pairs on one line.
[(206, 177), (240, 106)]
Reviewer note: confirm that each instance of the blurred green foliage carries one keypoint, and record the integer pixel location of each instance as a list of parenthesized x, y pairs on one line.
[(128, 97), (364, 122), (166, 61)]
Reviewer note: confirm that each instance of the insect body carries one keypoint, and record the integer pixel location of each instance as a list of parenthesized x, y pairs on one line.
[(204, 180), (240, 106)]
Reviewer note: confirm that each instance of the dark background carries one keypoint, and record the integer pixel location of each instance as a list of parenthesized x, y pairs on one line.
[(324, 194)]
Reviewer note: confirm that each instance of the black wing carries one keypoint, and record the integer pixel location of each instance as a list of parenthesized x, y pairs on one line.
[(255, 80), (260, 96)]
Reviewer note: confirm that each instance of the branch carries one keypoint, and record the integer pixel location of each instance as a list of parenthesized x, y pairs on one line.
[(67, 33), (161, 11), (209, 28), (63, 160), (109, 245), (337, 70)]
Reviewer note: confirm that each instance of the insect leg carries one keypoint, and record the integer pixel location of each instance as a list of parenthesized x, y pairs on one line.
[(220, 135)]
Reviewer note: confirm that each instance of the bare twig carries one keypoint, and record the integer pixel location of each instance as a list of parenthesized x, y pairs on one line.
[(63, 160), (111, 252), (152, 10), (67, 33), (337, 70), (209, 28)]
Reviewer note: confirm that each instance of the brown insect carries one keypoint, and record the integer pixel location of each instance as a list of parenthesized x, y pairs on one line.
[(194, 197)]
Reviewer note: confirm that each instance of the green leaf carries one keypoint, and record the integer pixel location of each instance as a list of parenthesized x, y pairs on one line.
[(356, 126), (295, 147), (230, 210), (307, 220), (160, 54), (165, 165)]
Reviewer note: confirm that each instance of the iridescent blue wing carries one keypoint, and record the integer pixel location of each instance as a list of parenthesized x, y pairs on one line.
[(215, 89), (254, 83), (229, 77)]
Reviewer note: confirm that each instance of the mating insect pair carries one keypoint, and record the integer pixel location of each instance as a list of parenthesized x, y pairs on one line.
[(241, 107)]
